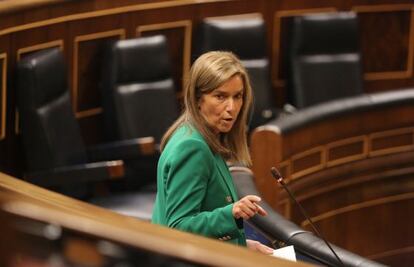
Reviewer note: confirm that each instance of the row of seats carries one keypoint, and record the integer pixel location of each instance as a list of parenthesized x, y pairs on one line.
[(323, 58), (139, 104), (139, 99)]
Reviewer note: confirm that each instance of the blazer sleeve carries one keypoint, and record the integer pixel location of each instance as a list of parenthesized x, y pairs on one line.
[(190, 167)]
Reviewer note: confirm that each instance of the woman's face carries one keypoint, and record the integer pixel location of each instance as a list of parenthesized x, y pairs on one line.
[(221, 106)]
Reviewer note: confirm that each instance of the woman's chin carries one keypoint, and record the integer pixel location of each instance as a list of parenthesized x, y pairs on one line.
[(225, 129)]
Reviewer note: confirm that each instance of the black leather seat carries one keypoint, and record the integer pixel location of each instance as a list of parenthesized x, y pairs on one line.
[(324, 59), (138, 90), (246, 37), (138, 96), (139, 101), (55, 153), (280, 231)]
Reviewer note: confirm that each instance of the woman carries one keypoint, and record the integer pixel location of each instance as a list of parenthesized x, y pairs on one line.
[(195, 189)]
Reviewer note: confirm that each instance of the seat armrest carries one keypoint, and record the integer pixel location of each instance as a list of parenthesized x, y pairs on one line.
[(126, 149), (78, 174)]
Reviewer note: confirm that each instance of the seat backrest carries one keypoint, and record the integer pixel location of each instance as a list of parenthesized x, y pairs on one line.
[(50, 132), (139, 97), (325, 60), (246, 37)]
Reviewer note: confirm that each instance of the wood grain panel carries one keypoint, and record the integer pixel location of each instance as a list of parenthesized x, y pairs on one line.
[(393, 141), (127, 8), (360, 222), (25, 51), (343, 151), (386, 34), (179, 36), (264, 141), (331, 193), (281, 37), (358, 204), (87, 69), (307, 162), (12, 5), (3, 92), (394, 256), (91, 128), (347, 150)]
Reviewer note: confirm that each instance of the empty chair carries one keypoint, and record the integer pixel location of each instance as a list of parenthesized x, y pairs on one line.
[(246, 37), (55, 153), (324, 58), (139, 96), (56, 156), (139, 101)]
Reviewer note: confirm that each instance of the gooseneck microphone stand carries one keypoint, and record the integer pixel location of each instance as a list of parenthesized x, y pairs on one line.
[(276, 174)]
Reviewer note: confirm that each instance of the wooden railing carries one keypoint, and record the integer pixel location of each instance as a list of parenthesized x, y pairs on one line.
[(350, 163)]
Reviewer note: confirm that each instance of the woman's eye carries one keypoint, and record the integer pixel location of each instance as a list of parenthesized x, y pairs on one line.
[(239, 96), (220, 97)]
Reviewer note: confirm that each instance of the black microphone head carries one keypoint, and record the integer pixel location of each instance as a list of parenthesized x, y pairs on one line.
[(275, 173)]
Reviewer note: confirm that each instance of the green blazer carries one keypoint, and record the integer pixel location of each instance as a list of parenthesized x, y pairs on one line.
[(195, 189)]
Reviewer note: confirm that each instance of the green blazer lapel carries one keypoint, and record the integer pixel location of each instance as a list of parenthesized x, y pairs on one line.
[(225, 174), (222, 167)]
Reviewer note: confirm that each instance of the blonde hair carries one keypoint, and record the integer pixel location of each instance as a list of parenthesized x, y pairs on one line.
[(208, 73)]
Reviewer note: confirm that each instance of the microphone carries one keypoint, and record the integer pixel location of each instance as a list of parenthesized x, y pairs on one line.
[(276, 174)]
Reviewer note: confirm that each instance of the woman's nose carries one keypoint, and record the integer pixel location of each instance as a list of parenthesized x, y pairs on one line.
[(230, 104)]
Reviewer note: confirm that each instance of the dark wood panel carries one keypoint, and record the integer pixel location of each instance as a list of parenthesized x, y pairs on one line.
[(345, 192), (7, 6), (392, 258), (3, 90), (347, 150), (28, 50), (391, 234), (324, 133), (395, 140), (386, 40), (282, 24), (87, 70), (307, 161), (91, 128), (178, 34)]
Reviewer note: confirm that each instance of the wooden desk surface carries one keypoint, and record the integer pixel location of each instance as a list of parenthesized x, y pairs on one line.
[(23, 199)]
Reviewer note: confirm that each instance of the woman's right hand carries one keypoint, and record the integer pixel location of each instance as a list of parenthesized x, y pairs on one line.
[(247, 207)]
